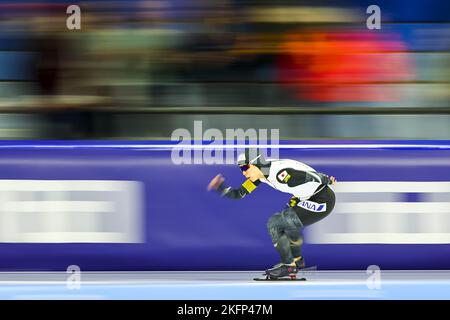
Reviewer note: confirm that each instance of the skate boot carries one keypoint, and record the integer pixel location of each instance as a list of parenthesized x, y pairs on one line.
[(300, 263), (302, 269), (282, 270)]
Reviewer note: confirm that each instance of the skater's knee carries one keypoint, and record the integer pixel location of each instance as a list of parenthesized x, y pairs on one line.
[(273, 221)]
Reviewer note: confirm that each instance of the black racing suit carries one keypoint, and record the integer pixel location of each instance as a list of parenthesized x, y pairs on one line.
[(285, 226)]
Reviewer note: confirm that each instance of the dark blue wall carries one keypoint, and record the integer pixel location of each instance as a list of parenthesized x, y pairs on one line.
[(187, 228)]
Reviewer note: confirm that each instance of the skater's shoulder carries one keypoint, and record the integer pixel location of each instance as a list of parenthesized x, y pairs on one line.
[(289, 163), (277, 162)]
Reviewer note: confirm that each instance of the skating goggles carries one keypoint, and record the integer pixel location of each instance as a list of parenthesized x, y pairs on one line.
[(244, 167)]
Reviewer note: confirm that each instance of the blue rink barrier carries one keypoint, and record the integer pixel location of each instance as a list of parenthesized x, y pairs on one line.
[(126, 206)]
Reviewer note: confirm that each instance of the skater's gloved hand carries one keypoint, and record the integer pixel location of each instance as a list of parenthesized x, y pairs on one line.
[(332, 180), (216, 182)]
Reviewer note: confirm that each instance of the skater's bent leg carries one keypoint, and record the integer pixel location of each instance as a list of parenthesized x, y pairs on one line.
[(293, 232), (295, 242), (280, 241), (296, 246), (284, 249), (284, 230), (274, 227)]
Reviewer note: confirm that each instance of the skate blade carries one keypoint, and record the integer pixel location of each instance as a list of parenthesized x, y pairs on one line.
[(312, 268), (279, 279)]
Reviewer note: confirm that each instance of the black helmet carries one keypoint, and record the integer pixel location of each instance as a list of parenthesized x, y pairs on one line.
[(251, 156)]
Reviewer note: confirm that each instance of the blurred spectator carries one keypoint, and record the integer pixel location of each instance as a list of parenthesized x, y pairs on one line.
[(141, 56), (343, 66)]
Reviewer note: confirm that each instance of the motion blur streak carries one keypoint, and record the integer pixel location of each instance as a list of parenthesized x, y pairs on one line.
[(136, 68), (58, 211), (404, 212)]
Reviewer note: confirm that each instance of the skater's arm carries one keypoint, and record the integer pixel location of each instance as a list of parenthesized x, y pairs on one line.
[(326, 179), (218, 184), (297, 177), (246, 188)]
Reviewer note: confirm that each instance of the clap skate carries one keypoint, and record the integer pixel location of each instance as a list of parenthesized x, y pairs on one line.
[(287, 272)]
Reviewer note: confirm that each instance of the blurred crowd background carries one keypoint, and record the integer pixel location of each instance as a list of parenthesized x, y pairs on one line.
[(141, 69)]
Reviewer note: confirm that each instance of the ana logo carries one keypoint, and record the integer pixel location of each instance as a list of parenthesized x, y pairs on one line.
[(313, 206)]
